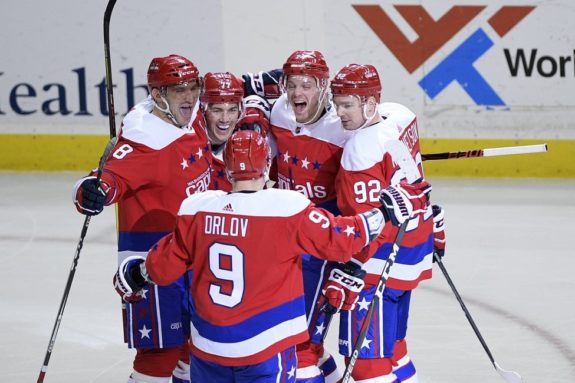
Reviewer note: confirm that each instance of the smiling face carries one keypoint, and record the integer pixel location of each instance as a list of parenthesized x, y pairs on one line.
[(181, 100), (221, 120), (304, 96)]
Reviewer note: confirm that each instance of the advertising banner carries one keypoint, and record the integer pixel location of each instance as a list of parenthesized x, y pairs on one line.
[(475, 72)]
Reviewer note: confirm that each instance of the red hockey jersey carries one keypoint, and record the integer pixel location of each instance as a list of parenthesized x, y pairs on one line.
[(366, 168), (245, 252), (219, 177), (153, 168), (308, 156)]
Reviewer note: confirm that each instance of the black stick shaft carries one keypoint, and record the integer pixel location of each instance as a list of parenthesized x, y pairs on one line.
[(105, 155), (462, 304), (487, 152), (108, 62), (376, 298)]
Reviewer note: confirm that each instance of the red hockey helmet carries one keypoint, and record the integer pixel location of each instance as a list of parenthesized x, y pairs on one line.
[(171, 70), (222, 88), (306, 63), (246, 155), (357, 80)]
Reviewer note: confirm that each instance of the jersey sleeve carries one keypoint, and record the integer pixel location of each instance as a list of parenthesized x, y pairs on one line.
[(171, 256), (329, 237)]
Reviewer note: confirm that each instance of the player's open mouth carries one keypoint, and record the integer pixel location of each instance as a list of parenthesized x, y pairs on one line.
[(223, 127), (186, 112), (299, 107)]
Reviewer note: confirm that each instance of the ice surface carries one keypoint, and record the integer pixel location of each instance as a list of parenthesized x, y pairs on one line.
[(509, 252)]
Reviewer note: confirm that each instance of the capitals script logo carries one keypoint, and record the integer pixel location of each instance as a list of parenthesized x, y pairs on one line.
[(433, 34)]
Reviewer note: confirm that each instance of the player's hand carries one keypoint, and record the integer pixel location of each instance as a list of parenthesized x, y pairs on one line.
[(404, 201), (255, 116), (131, 278), (438, 231), (342, 289), (89, 196), (264, 84)]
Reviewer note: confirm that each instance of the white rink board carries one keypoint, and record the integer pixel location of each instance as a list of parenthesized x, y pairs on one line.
[(51, 79)]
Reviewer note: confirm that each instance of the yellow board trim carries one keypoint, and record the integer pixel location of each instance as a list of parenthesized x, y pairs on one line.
[(28, 152), (558, 162)]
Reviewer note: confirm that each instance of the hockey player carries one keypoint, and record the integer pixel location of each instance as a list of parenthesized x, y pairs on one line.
[(161, 157), (248, 307), (309, 141), (226, 109), (368, 165), (221, 101)]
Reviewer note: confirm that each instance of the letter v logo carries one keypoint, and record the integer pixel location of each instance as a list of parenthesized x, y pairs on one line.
[(432, 34)]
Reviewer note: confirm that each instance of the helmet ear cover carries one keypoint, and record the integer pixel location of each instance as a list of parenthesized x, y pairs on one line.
[(221, 88), (357, 80), (246, 155), (171, 70)]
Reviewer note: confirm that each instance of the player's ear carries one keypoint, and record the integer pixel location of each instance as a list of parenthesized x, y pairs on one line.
[(371, 104), (155, 92)]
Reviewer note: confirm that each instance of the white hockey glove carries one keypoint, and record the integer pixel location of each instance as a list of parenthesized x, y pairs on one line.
[(404, 201), (342, 289)]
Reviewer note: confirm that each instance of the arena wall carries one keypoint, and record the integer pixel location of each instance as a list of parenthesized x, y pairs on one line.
[(478, 74)]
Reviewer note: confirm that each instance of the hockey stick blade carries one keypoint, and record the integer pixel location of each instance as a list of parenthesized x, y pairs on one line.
[(72, 272), (508, 376), (490, 152), (401, 156)]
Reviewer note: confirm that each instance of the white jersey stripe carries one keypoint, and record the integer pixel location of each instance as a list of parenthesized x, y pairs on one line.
[(252, 345)]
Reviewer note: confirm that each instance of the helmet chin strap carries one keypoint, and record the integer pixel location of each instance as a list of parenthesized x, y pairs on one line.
[(166, 110), (320, 106), (366, 117), (320, 103)]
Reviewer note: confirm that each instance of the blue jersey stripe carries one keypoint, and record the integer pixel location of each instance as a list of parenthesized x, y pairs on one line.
[(407, 255), (251, 326), (330, 205), (138, 241)]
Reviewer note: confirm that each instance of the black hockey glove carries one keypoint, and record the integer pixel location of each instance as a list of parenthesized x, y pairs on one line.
[(438, 231), (90, 196), (263, 84), (131, 278)]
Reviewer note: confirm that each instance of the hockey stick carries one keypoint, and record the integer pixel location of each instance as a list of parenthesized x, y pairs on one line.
[(491, 152), (108, 62), (103, 160), (376, 298), (406, 165), (508, 376)]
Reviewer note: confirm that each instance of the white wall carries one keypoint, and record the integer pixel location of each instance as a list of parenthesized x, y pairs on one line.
[(60, 41)]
